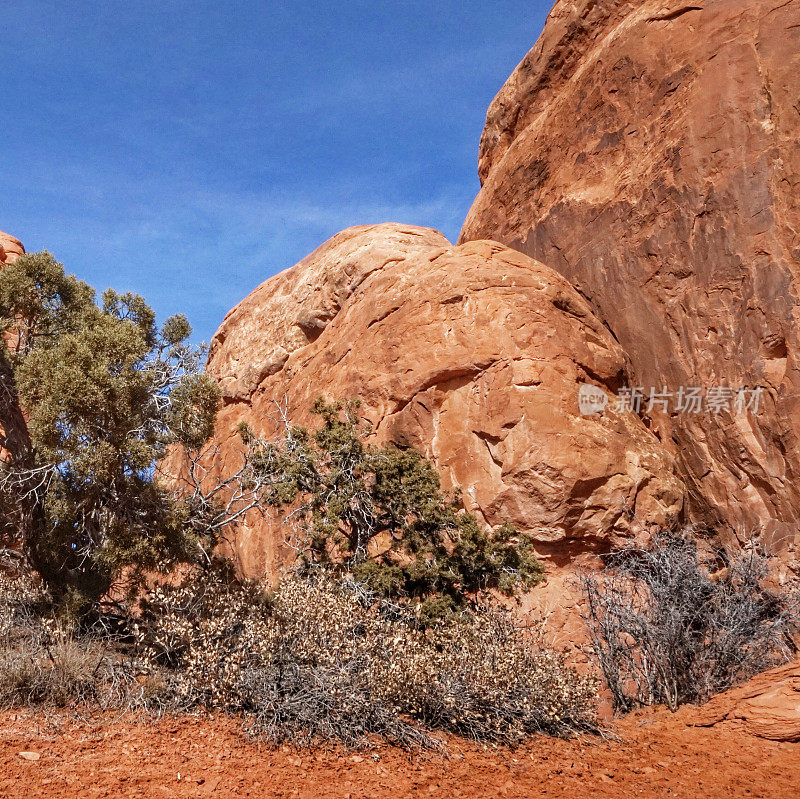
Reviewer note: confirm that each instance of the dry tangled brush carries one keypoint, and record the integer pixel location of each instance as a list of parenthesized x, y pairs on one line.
[(318, 660), (670, 624), (48, 661), (326, 660)]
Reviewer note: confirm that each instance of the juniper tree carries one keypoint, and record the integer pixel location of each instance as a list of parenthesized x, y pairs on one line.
[(105, 392), (381, 514)]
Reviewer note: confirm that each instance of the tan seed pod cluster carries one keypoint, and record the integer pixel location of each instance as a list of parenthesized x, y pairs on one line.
[(324, 658)]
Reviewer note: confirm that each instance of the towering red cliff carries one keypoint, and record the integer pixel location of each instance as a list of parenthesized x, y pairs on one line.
[(648, 152)]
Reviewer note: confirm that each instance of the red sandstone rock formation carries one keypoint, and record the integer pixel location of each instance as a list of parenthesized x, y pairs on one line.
[(767, 706), (13, 431), (472, 354), (648, 152), (10, 248)]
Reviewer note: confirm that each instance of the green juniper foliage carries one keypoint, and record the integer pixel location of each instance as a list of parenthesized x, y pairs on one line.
[(380, 513), (105, 392)]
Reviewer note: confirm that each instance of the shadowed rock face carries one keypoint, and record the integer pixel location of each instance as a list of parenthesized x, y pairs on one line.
[(472, 354), (648, 152)]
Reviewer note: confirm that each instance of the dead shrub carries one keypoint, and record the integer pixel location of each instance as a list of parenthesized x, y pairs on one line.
[(328, 660), (670, 626), (45, 660)]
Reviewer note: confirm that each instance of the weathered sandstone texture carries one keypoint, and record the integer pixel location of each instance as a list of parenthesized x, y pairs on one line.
[(13, 431), (648, 152), (767, 706), (10, 248), (473, 355)]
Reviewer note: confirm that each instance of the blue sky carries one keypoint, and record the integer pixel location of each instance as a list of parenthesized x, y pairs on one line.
[(189, 150)]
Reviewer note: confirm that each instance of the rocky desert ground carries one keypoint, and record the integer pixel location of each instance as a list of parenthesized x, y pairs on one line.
[(656, 754)]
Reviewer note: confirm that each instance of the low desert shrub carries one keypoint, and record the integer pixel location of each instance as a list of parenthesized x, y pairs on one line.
[(328, 660), (670, 626), (45, 660), (381, 515)]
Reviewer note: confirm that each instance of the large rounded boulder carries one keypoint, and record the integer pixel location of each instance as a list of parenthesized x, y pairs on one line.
[(475, 355)]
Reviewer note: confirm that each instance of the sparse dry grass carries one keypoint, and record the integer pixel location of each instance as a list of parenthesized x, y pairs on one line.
[(47, 661)]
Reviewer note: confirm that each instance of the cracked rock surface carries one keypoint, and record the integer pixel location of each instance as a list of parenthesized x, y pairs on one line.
[(648, 152), (472, 354)]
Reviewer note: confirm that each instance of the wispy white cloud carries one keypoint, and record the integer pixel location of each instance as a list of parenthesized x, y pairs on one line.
[(200, 250)]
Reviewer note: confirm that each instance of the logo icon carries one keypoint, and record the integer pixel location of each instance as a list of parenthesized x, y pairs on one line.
[(591, 400)]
